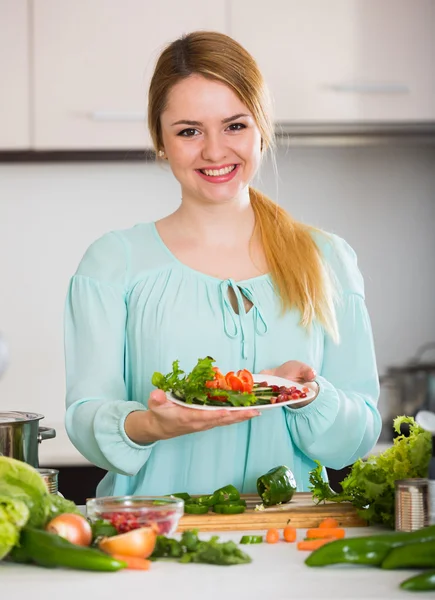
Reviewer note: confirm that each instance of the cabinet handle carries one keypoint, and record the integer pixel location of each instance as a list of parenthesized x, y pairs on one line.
[(369, 88), (107, 115)]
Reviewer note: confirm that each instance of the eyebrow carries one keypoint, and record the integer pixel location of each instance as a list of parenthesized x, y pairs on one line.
[(199, 124)]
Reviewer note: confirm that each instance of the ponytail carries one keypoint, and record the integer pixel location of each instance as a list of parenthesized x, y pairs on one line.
[(295, 263)]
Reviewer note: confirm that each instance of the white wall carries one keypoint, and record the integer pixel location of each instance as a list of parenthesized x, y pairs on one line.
[(382, 200)]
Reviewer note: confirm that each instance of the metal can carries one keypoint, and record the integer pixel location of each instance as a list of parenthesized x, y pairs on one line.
[(411, 504), (50, 477)]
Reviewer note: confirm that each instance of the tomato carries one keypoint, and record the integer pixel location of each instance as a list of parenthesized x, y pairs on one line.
[(138, 542), (74, 528), (246, 376), (213, 384), (236, 384)]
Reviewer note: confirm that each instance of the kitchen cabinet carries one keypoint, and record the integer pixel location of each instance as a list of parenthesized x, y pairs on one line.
[(14, 75), (92, 65), (343, 60)]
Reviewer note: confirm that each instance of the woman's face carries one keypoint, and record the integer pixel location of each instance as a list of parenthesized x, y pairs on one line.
[(211, 140)]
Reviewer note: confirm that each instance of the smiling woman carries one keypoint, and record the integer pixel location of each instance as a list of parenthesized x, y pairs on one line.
[(231, 275)]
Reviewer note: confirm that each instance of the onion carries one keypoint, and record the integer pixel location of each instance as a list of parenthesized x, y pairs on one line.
[(138, 542), (72, 527)]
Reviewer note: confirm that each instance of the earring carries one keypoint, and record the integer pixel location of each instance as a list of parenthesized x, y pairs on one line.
[(161, 153)]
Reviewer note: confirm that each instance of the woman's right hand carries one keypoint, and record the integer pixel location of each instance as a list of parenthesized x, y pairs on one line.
[(164, 420)]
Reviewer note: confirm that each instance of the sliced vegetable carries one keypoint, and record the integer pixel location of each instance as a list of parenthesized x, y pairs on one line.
[(74, 528), (195, 509), (229, 492), (277, 486), (324, 532), (251, 539), (313, 544), (229, 509), (248, 380), (272, 536), (138, 542)]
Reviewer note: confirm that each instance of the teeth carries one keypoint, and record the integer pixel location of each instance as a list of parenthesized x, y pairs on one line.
[(216, 172)]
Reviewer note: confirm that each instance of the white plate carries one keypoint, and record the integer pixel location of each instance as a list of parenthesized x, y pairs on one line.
[(271, 380)]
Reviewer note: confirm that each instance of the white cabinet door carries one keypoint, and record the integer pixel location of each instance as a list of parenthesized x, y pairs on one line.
[(93, 61), (14, 76), (343, 60)]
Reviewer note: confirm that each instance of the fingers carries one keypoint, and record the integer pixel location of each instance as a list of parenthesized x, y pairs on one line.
[(157, 399)]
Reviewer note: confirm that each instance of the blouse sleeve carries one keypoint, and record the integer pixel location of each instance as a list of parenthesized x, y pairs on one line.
[(343, 423), (95, 319)]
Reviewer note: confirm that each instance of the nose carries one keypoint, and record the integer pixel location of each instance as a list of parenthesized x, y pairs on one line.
[(214, 148)]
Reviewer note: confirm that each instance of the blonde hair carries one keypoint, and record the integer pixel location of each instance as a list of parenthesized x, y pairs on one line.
[(293, 258)]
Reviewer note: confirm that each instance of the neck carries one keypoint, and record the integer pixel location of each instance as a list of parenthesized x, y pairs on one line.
[(217, 223)]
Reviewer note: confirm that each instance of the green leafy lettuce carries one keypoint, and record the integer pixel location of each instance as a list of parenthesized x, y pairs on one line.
[(192, 389), (14, 514), (24, 500), (20, 481), (370, 485)]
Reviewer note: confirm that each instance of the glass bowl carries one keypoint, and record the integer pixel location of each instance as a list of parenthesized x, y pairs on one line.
[(131, 512)]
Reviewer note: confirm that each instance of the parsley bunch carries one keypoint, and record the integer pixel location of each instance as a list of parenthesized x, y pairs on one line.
[(370, 485)]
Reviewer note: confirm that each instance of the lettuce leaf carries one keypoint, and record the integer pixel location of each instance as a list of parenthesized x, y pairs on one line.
[(370, 485), (20, 481)]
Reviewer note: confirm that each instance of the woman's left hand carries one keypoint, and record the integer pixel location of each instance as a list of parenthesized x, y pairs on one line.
[(300, 373)]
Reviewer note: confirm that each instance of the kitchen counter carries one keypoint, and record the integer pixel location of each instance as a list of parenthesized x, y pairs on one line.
[(277, 572)]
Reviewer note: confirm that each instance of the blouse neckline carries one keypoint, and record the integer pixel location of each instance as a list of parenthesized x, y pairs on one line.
[(162, 244)]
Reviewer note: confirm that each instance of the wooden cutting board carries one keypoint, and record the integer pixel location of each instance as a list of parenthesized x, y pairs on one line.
[(301, 511)]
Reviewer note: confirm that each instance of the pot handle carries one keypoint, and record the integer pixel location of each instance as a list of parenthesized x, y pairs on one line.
[(46, 433)]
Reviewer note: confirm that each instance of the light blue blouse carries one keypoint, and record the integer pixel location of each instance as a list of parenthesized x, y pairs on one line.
[(133, 308)]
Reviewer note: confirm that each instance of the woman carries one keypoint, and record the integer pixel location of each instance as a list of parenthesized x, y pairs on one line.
[(231, 275)]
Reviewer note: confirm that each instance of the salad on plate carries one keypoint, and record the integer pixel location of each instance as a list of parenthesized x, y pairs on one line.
[(207, 388)]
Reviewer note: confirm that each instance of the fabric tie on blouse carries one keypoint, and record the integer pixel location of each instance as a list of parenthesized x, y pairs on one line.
[(235, 322)]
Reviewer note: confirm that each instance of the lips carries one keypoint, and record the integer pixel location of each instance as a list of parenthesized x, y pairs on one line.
[(221, 174)]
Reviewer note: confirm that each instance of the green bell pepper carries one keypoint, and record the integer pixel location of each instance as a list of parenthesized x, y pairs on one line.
[(229, 509), (229, 492), (195, 509), (277, 486), (369, 550), (251, 539)]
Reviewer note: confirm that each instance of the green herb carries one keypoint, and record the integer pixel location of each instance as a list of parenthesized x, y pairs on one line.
[(190, 549), (191, 388), (370, 485)]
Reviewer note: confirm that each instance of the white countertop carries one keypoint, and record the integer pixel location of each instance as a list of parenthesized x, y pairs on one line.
[(277, 572)]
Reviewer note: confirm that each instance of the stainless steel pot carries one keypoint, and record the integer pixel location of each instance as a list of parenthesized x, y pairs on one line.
[(20, 435)]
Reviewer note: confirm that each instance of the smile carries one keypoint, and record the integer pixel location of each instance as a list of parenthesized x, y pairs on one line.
[(221, 175)]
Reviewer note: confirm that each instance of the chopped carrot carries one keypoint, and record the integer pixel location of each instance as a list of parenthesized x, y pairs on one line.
[(133, 562), (289, 533), (323, 532), (272, 536), (313, 544), (328, 523)]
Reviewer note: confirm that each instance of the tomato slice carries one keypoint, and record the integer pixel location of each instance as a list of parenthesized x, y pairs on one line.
[(248, 380), (213, 384), (235, 382)]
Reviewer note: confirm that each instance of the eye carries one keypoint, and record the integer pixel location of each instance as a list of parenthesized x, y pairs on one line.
[(188, 132), (236, 126)]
